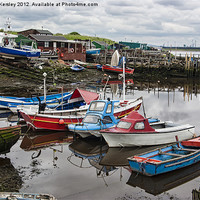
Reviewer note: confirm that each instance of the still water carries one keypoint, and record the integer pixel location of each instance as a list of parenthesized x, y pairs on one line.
[(88, 169), (183, 53)]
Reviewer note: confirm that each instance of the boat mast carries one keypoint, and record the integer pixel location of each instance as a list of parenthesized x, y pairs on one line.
[(124, 78), (45, 92)]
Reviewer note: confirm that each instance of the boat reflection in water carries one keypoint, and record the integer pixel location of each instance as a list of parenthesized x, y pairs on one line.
[(88, 152), (34, 142), (161, 183), (94, 152)]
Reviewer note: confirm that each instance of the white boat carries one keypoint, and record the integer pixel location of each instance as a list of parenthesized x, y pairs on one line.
[(135, 130), (8, 47)]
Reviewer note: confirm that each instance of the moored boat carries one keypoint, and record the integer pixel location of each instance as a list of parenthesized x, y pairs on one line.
[(8, 47), (100, 115), (156, 185), (77, 68), (117, 65), (51, 100), (73, 112), (164, 159), (59, 120), (135, 130), (88, 65), (93, 51), (116, 69)]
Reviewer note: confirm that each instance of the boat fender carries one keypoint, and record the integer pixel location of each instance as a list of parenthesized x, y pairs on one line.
[(58, 50), (6, 42), (72, 50), (61, 121)]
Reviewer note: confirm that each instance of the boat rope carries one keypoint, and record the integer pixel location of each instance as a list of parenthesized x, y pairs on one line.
[(31, 123), (108, 77), (193, 134), (143, 107)]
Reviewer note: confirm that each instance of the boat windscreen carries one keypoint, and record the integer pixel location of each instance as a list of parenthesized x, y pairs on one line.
[(97, 106), (94, 119), (124, 125)]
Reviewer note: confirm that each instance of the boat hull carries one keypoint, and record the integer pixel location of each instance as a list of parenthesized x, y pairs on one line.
[(48, 122), (146, 139), (6, 51), (116, 69), (54, 99), (88, 130), (93, 51), (164, 160)]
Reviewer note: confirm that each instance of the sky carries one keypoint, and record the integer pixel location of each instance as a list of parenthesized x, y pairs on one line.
[(157, 22)]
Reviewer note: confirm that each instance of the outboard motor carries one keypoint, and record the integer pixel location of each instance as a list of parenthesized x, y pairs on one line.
[(42, 106)]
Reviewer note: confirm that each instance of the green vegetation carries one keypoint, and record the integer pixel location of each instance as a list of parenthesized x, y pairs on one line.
[(77, 36), (74, 36), (10, 32)]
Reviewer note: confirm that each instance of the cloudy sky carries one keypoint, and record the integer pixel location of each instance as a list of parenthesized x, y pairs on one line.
[(159, 22)]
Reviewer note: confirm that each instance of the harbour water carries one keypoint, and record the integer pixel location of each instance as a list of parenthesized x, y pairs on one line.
[(88, 169), (183, 53)]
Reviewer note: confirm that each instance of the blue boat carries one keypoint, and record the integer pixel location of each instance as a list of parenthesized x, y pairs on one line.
[(8, 47), (99, 67), (77, 68), (8, 102), (100, 115), (93, 51), (164, 159)]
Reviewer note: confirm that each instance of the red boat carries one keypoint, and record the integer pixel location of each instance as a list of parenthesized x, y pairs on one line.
[(60, 122), (195, 142), (117, 69)]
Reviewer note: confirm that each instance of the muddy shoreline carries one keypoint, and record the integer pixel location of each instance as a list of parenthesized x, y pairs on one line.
[(28, 80)]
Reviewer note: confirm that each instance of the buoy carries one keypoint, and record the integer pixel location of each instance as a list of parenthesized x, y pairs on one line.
[(61, 121)]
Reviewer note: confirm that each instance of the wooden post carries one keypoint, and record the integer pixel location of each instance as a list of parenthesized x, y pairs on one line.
[(105, 55), (186, 62)]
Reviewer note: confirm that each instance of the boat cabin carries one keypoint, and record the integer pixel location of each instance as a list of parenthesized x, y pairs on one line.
[(101, 110), (7, 40), (134, 122)]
